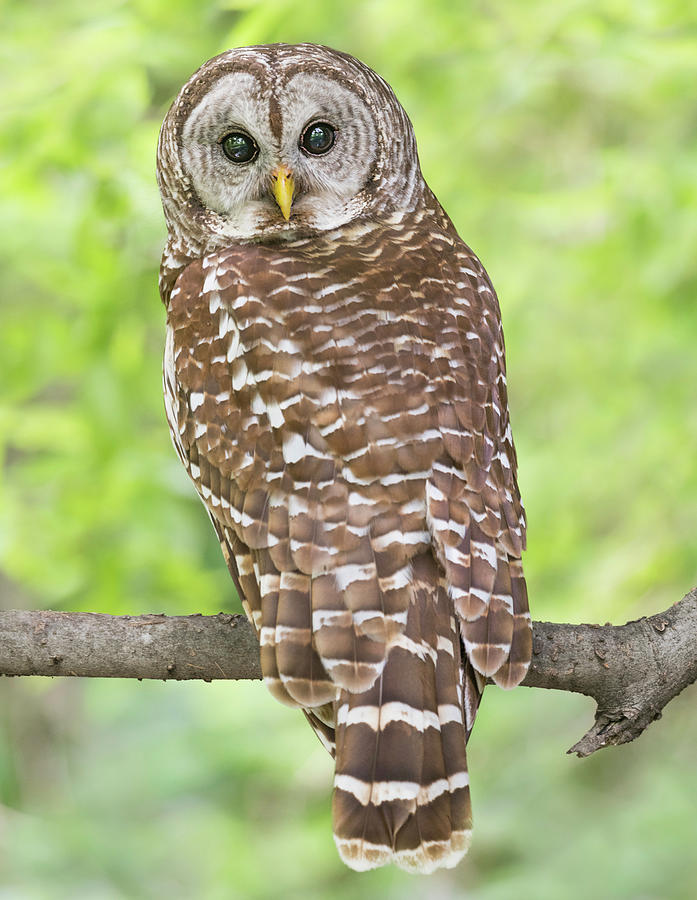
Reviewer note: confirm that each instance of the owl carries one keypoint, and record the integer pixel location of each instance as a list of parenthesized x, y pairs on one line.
[(335, 387)]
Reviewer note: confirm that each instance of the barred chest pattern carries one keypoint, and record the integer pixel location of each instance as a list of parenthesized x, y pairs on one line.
[(339, 400)]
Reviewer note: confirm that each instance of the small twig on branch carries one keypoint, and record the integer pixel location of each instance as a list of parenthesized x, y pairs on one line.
[(632, 671)]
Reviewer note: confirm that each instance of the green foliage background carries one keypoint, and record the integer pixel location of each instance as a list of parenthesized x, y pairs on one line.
[(562, 139)]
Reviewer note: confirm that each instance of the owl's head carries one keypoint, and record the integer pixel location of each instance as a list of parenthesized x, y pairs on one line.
[(272, 142)]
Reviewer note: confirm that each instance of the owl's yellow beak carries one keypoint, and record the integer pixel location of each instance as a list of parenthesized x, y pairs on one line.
[(282, 186)]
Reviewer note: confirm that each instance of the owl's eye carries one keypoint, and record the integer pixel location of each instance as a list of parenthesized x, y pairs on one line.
[(239, 147), (317, 138)]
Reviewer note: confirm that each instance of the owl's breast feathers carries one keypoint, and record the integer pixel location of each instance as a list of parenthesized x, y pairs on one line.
[(341, 407)]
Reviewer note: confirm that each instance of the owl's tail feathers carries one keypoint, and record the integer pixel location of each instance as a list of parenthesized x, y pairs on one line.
[(401, 789)]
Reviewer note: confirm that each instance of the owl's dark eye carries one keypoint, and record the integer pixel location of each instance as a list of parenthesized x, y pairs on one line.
[(317, 138), (239, 147)]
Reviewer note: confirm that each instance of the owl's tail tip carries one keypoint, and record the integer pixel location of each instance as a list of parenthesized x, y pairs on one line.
[(361, 855)]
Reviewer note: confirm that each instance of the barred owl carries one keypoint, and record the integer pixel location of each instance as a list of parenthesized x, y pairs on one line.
[(335, 387)]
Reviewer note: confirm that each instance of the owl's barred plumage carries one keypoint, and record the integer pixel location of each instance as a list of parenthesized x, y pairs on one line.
[(335, 386)]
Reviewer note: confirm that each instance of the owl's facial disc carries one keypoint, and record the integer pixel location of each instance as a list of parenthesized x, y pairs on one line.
[(277, 161)]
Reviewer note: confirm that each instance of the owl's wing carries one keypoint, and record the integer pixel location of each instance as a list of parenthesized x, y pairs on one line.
[(473, 502), (250, 417)]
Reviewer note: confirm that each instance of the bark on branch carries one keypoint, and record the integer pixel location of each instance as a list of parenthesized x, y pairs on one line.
[(632, 671)]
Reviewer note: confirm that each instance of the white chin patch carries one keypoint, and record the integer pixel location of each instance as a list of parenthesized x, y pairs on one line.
[(260, 218)]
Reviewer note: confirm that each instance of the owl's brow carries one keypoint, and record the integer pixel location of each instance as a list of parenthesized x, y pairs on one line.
[(203, 80)]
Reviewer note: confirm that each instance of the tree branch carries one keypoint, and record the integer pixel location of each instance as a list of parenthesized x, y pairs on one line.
[(632, 671)]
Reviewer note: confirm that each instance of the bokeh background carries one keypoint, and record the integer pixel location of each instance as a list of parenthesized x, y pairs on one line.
[(562, 139)]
